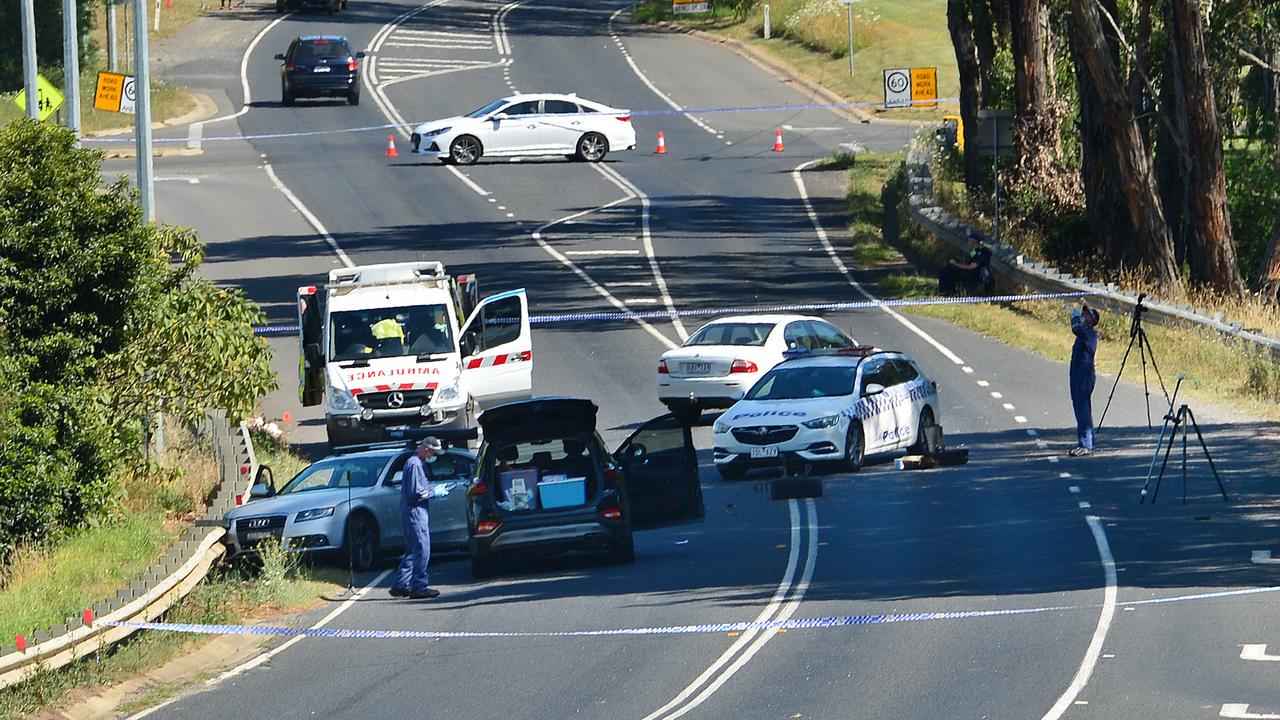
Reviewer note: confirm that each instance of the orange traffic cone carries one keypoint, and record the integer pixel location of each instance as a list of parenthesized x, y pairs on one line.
[(391, 146), (662, 144), (777, 141)]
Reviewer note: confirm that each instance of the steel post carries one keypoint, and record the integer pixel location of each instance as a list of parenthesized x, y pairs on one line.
[(29, 58), (113, 60), (71, 64), (142, 120)]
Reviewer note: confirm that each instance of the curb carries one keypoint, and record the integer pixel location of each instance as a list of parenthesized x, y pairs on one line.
[(205, 108)]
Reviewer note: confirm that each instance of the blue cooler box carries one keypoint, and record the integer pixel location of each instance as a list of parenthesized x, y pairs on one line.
[(569, 492)]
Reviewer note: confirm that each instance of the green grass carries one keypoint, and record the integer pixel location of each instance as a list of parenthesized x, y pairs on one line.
[(887, 34), (46, 588)]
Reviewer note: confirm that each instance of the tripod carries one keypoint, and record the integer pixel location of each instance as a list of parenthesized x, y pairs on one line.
[(1138, 336), (1179, 419)]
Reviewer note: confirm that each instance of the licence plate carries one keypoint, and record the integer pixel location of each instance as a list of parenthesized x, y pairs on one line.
[(764, 452), (256, 536), (697, 368), (320, 68)]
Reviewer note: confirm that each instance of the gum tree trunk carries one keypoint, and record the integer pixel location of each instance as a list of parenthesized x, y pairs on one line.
[(961, 28)]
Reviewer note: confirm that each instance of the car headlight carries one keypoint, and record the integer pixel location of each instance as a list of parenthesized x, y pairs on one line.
[(340, 401), (438, 131), (720, 428), (450, 394), (822, 422), (313, 514)]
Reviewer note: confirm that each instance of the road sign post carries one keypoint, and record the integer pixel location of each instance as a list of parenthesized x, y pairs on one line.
[(995, 133), (32, 102), (71, 64), (142, 120), (848, 6)]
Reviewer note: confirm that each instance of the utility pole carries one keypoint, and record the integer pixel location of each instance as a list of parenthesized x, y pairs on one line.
[(142, 120), (29, 58), (71, 64), (113, 61), (849, 7)]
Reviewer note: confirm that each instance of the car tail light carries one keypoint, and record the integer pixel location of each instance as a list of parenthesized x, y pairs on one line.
[(479, 490), (743, 366), (612, 513), (352, 64), (288, 66), (487, 527), (624, 118), (662, 368), (612, 478)]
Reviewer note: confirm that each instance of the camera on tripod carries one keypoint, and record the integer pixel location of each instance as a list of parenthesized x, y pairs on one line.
[(1135, 321)]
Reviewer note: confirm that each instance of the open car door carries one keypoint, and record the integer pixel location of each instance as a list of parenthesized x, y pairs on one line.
[(497, 349), (661, 469), (310, 356)]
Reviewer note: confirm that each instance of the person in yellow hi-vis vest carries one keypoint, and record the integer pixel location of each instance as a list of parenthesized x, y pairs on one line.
[(390, 336)]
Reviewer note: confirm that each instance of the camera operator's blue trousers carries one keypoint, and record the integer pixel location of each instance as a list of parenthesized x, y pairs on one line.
[(1082, 382), (412, 572)]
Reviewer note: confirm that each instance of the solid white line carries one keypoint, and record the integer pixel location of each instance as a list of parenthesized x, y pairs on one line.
[(395, 75), (647, 235), (1104, 624), (499, 24), (462, 37), (775, 603), (796, 596), (642, 301), (835, 258), (645, 79), (308, 215), (593, 266), (1257, 652), (1241, 710), (196, 132), (638, 283), (437, 46), (395, 62), (602, 252), (255, 662)]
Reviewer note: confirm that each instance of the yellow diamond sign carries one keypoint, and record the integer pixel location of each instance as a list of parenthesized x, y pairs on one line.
[(48, 99)]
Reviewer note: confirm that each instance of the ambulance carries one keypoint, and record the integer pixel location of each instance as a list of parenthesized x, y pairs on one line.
[(404, 350)]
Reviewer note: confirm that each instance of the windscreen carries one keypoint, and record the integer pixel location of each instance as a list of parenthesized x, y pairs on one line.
[(317, 49), (481, 112), (731, 334), (798, 383), (355, 472), (389, 332)]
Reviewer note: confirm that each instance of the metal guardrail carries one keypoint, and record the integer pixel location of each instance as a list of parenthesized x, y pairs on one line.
[(182, 567), (1013, 266)]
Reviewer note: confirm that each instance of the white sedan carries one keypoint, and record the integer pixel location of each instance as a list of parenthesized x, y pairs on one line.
[(724, 358), (827, 406), (528, 125)]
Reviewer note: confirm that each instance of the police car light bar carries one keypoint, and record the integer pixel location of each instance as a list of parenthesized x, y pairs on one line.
[(859, 351)]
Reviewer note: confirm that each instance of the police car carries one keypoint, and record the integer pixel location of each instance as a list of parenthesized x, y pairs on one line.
[(827, 406)]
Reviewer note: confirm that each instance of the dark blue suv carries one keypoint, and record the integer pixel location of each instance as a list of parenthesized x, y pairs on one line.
[(320, 66)]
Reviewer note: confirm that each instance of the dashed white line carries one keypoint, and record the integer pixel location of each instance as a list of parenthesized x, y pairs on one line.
[(967, 369), (642, 301), (996, 395), (983, 383), (308, 215), (1008, 406), (577, 253), (636, 283), (649, 84), (1019, 419)]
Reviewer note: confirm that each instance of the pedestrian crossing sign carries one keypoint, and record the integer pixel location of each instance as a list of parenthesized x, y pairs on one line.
[(48, 99)]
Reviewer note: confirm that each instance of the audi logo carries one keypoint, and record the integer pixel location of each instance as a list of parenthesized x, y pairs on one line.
[(395, 399), (259, 522)]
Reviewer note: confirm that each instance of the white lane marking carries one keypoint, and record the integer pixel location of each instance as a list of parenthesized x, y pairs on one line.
[(1084, 505), (1008, 406), (600, 289), (594, 266), (1241, 710), (646, 235), (478, 37), (1074, 490), (255, 662), (996, 395), (642, 301), (748, 640), (390, 63), (436, 46), (500, 28), (1064, 475), (967, 369), (1263, 557), (187, 180), (308, 215), (195, 133), (1257, 652), (649, 84), (1100, 632), (983, 383), (848, 276), (601, 252), (1019, 419), (813, 129), (638, 283)]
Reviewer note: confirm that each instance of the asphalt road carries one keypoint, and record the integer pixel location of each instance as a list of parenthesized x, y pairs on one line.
[(1020, 527)]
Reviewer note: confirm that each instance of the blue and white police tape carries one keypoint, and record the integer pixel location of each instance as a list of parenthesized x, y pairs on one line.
[(815, 623), (633, 315), (393, 126)]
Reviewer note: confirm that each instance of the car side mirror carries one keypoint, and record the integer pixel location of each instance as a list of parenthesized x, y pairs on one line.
[(261, 490), (872, 389), (636, 450), (360, 54), (279, 56), (499, 116)]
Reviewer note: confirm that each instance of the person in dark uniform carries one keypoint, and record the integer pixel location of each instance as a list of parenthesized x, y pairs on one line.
[(1082, 376), (415, 490), (969, 270)]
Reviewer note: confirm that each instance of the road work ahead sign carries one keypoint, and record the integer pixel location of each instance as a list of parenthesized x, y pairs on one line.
[(680, 7), (114, 93), (48, 99), (911, 87)]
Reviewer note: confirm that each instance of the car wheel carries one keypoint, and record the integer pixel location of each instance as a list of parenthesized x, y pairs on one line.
[(854, 447), (623, 551), (362, 542), (465, 150), (732, 471), (286, 97), (919, 447), (481, 566), (353, 98), (592, 147)]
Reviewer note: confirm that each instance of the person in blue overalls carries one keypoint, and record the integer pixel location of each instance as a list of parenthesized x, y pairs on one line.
[(1082, 376), (415, 491)]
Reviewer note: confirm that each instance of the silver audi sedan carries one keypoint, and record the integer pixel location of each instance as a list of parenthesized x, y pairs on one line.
[(347, 507)]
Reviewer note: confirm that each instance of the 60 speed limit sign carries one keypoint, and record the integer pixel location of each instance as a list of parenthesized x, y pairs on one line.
[(897, 87)]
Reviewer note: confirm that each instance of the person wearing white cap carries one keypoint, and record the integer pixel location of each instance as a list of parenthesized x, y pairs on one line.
[(415, 490)]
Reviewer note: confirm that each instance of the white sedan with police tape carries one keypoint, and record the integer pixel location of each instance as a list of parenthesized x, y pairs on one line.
[(827, 406)]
